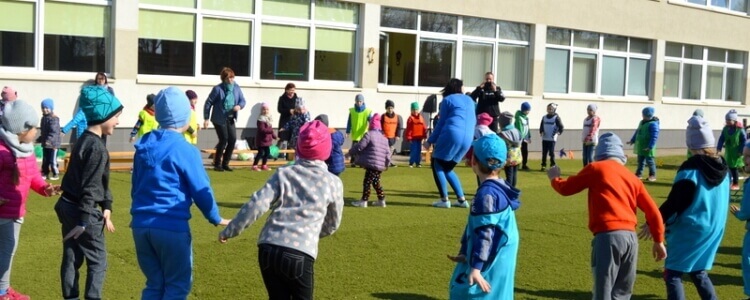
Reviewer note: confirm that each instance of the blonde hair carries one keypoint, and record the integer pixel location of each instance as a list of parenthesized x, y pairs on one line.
[(710, 152)]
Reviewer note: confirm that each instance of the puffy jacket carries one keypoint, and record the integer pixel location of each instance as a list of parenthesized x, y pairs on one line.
[(336, 161), (265, 135), (372, 151), (29, 178), (416, 129)]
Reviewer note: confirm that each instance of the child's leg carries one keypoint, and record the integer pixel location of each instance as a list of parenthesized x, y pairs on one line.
[(257, 157), (641, 162), (673, 280), (165, 258), (266, 154), (651, 166), (510, 175), (376, 183), (9, 232), (614, 257), (552, 154), (746, 263), (438, 174), (735, 175), (415, 151), (45, 161), (587, 154), (369, 177), (524, 153), (72, 258), (55, 169), (704, 285), (93, 248), (545, 149)]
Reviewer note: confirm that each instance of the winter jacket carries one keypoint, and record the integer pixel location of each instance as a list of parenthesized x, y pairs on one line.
[(372, 151), (488, 101), (416, 128), (29, 178), (215, 100), (50, 132), (265, 135), (284, 107), (79, 122), (645, 137), (454, 131), (336, 161)]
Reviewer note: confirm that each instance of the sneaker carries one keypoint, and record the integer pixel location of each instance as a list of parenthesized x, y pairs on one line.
[(227, 168), (265, 168), (379, 203), (640, 177), (419, 165), (411, 166), (218, 169), (734, 187), (525, 168), (652, 178), (392, 165), (256, 168), (53, 177), (13, 295), (544, 168), (462, 204), (360, 203), (441, 204)]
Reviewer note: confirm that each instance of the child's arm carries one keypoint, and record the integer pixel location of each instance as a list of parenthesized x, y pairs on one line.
[(574, 184), (653, 216), (743, 139), (720, 142), (541, 127), (559, 124), (41, 187), (594, 128), (399, 127), (653, 130), (332, 219), (134, 132), (679, 199), (409, 129), (199, 186), (635, 135), (349, 124), (361, 145), (91, 184), (259, 203)]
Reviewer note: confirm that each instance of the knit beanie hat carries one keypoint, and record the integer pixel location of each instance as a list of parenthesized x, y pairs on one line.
[(359, 97), (389, 103), (698, 134), (525, 106), (506, 118), (490, 151), (698, 112), (648, 112), (592, 107), (150, 100), (299, 103), (731, 115), (9, 94), (553, 106), (322, 118), (265, 105), (375, 122), (610, 145), (191, 94), (48, 103), (314, 141), (172, 110), (415, 105), (98, 104), (18, 116), (484, 119)]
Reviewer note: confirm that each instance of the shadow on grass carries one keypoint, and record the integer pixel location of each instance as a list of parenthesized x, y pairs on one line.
[(737, 266), (730, 250), (402, 296), (394, 193), (554, 294), (716, 279), (230, 204), (661, 183)]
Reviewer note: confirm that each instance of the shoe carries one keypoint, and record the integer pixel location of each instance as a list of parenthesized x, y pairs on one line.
[(392, 165), (652, 178), (734, 187), (525, 168), (360, 203), (13, 295), (53, 177), (379, 203), (411, 166), (265, 168), (544, 168), (462, 204), (227, 168), (640, 177), (218, 169), (256, 168), (419, 165), (441, 204), (353, 165)]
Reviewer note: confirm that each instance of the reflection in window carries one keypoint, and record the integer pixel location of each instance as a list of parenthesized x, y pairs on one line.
[(439, 22), (479, 27), (613, 76), (714, 82), (284, 52), (398, 18), (513, 31), (226, 50), (713, 76), (734, 85), (165, 57), (435, 62), (17, 49), (337, 11), (557, 36), (671, 79), (638, 77), (74, 53), (586, 39), (691, 81), (334, 54)]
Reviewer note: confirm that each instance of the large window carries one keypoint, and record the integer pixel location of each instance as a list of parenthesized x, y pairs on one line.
[(703, 73), (594, 63), (17, 34), (423, 49), (732, 5), (220, 48), (166, 43)]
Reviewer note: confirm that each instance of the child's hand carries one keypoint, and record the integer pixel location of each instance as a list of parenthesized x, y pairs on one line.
[(659, 251), (51, 190), (108, 220), (476, 277), (224, 222), (630, 143), (222, 238), (645, 233), (132, 139), (74, 233), (427, 145), (733, 208), (458, 258), (553, 172)]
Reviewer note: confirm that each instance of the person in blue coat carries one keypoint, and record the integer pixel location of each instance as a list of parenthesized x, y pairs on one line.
[(222, 104), (452, 138), (486, 262)]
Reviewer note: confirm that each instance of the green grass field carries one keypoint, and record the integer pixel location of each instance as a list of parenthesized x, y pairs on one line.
[(398, 252)]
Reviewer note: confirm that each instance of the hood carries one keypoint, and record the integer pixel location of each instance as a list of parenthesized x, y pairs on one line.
[(511, 193), (653, 119), (713, 170), (155, 145), (360, 108)]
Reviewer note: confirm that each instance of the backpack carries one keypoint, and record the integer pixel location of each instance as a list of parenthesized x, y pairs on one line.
[(514, 156)]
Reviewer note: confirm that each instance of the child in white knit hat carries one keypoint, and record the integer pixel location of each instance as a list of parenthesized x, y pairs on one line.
[(733, 138)]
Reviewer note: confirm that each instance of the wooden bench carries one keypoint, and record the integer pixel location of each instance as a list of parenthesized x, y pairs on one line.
[(115, 157)]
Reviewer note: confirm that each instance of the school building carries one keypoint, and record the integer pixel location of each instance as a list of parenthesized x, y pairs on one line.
[(674, 55)]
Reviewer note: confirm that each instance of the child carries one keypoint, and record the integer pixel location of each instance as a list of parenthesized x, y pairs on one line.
[(300, 117), (50, 140), (78, 121), (307, 203), (392, 125), (356, 124), (146, 120), (486, 262), (19, 174), (590, 134), (264, 137), (373, 154), (416, 130), (549, 129), (513, 139), (644, 139), (733, 138), (191, 134), (85, 188), (694, 219), (335, 163), (522, 124), (742, 213), (614, 193), (167, 179)]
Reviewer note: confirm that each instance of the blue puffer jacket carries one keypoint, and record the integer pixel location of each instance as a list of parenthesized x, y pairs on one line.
[(336, 161), (372, 151)]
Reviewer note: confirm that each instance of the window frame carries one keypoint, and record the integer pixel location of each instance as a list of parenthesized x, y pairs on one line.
[(710, 6), (704, 63)]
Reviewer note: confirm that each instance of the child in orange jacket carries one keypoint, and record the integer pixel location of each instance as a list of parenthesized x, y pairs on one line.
[(416, 131)]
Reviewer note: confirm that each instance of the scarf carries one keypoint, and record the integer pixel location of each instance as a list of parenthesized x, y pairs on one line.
[(19, 149), (229, 98), (266, 118)]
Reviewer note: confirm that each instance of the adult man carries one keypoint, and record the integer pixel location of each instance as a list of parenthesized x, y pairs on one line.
[(488, 95)]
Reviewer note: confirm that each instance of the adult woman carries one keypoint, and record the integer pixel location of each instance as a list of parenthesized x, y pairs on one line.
[(452, 138), (101, 79), (223, 103), (285, 107)]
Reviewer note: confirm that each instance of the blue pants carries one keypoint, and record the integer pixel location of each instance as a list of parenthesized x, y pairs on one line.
[(646, 160), (700, 278), (49, 162), (442, 172), (415, 152), (166, 259), (588, 154), (511, 175)]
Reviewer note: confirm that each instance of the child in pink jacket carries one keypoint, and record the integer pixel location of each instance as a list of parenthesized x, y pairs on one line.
[(18, 173)]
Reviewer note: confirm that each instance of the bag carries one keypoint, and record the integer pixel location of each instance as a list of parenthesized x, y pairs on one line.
[(514, 156)]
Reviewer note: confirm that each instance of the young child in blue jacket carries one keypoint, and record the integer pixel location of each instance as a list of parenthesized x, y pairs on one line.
[(335, 163), (486, 262)]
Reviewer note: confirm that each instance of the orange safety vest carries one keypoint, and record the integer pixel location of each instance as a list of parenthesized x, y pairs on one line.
[(389, 125)]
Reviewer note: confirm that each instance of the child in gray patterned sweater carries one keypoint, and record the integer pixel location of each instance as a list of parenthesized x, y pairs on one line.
[(306, 202)]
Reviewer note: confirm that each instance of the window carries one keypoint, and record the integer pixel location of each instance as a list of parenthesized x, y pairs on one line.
[(17, 34), (221, 49), (166, 43), (733, 5), (703, 73), (334, 54), (594, 63), (436, 61), (284, 52)]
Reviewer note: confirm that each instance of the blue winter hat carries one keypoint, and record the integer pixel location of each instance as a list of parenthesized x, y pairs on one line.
[(525, 106), (610, 145), (648, 112), (731, 115), (98, 104), (592, 106), (359, 97), (490, 151), (698, 112), (172, 108), (48, 103)]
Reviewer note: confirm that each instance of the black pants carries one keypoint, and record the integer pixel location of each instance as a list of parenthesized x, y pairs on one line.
[(287, 273), (263, 153), (524, 153), (227, 135), (548, 148)]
